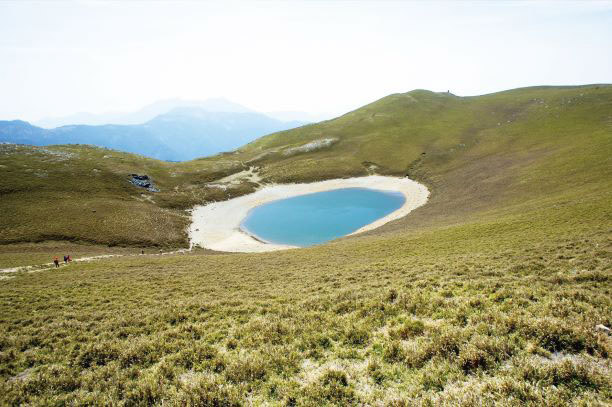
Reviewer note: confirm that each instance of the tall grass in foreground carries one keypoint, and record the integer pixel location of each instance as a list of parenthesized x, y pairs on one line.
[(423, 320)]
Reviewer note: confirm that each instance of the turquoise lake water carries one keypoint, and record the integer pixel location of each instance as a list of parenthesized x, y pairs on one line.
[(316, 218)]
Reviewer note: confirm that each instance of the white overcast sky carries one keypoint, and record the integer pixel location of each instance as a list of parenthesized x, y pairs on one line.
[(58, 58)]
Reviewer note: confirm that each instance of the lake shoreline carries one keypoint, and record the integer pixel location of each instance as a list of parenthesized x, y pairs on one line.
[(217, 226)]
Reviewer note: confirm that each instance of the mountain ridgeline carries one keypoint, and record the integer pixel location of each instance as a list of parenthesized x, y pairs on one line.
[(183, 133), (521, 151)]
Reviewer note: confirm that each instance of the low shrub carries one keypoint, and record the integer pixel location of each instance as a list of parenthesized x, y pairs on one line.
[(97, 354), (408, 329), (332, 388), (574, 374), (356, 335), (393, 352), (483, 352), (557, 335), (375, 371), (246, 369)]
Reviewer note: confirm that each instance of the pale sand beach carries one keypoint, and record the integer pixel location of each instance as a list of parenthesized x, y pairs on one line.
[(216, 226)]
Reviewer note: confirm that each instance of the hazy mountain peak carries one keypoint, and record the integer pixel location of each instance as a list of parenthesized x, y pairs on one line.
[(209, 105), (188, 130), (144, 114)]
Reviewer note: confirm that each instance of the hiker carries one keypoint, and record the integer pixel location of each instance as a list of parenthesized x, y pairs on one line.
[(69, 259), (56, 262), (65, 259)]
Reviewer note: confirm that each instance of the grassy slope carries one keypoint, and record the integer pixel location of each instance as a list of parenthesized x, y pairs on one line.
[(82, 194), (488, 294), (491, 152), (486, 153), (475, 314)]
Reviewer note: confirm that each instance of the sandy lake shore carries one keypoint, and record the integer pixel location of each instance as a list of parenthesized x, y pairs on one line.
[(216, 226)]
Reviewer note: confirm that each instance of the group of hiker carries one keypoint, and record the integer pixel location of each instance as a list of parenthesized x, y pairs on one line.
[(67, 259)]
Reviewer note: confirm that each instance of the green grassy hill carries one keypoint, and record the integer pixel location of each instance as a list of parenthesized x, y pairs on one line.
[(82, 194), (478, 154), (489, 294), (496, 152)]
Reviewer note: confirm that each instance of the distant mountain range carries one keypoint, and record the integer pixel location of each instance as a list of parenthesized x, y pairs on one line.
[(164, 106), (144, 114), (170, 130)]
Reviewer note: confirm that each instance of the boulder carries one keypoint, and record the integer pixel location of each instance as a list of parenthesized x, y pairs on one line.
[(603, 329), (143, 181)]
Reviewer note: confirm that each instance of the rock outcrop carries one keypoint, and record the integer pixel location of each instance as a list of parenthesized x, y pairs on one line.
[(143, 181)]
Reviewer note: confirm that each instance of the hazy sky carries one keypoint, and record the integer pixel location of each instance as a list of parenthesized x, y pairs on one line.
[(58, 58)]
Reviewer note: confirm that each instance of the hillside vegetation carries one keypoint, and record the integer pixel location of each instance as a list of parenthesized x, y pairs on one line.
[(490, 294), (510, 151), (83, 194)]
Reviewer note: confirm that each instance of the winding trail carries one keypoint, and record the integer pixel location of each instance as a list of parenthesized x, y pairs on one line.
[(50, 266)]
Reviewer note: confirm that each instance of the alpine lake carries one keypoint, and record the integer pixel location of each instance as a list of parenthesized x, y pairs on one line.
[(319, 217)]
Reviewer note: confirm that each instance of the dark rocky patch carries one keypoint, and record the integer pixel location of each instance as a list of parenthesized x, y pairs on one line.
[(143, 181)]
